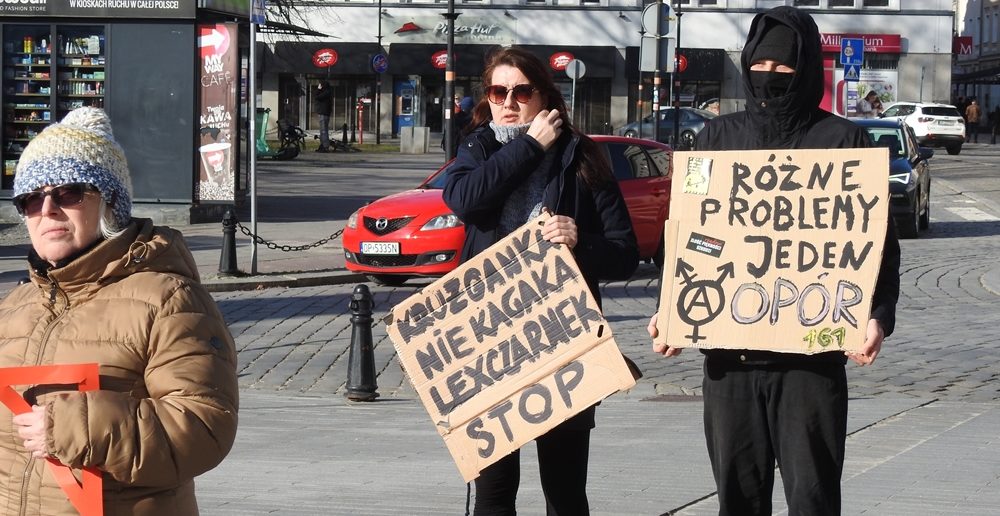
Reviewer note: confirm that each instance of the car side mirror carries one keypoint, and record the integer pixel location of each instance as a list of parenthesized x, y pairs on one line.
[(925, 152)]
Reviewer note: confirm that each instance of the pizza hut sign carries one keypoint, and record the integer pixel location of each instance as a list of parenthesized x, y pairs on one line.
[(440, 59), (559, 60), (325, 57)]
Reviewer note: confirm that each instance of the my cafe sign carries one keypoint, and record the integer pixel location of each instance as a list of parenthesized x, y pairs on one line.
[(324, 57), (559, 60), (874, 43)]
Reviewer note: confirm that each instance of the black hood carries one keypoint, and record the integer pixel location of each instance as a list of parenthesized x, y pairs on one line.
[(784, 117)]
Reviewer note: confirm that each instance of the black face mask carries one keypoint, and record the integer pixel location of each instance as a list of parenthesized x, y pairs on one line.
[(768, 85)]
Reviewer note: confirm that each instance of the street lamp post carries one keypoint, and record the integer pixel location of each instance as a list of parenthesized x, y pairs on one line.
[(656, 71), (449, 83), (378, 84), (677, 82)]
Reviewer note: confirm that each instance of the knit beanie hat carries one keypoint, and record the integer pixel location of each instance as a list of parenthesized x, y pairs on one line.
[(778, 43), (80, 149), (466, 104)]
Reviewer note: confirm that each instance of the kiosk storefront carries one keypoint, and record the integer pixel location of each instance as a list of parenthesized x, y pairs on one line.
[(879, 73), (140, 61)]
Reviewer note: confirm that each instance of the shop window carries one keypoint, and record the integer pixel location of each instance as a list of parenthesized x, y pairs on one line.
[(33, 96)]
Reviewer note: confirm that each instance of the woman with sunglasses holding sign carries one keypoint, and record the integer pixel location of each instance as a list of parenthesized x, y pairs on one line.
[(524, 157), (109, 289)]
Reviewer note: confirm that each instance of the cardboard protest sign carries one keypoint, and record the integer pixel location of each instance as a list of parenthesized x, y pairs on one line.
[(86, 495), (773, 250), (505, 347)]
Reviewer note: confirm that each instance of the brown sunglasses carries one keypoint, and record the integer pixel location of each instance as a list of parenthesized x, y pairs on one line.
[(64, 196)]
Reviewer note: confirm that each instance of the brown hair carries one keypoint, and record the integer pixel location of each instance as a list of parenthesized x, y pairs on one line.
[(592, 165)]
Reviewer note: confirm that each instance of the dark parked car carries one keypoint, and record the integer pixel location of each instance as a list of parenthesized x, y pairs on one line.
[(692, 121), (909, 174)]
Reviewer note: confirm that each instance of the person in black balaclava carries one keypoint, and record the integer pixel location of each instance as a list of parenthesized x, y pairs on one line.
[(761, 406)]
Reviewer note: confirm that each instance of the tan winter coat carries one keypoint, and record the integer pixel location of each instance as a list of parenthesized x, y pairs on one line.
[(166, 408)]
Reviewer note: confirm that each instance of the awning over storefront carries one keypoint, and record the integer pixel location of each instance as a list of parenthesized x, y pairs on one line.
[(276, 27), (599, 61), (298, 57), (987, 76), (703, 64), (420, 59), (427, 59)]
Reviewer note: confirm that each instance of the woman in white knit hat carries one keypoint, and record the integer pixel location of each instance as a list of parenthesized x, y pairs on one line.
[(121, 292)]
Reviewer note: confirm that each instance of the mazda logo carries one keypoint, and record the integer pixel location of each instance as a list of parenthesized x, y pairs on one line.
[(381, 223)]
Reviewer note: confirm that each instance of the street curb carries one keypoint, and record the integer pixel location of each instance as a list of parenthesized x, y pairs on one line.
[(281, 280)]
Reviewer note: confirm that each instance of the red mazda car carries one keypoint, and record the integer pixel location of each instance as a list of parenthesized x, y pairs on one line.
[(413, 233)]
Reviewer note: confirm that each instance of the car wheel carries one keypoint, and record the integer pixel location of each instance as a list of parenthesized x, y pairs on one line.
[(925, 219), (954, 149), (909, 226), (388, 280), (687, 140), (631, 134)]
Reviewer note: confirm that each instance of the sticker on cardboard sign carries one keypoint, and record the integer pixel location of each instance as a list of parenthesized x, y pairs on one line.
[(698, 176)]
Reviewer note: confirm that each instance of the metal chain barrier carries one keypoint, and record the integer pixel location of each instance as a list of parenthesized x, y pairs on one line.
[(286, 248)]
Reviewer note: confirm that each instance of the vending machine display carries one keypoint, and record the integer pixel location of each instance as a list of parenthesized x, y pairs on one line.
[(43, 79)]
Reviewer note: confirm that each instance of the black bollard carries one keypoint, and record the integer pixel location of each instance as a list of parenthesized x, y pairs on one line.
[(227, 262), (361, 384), (343, 129)]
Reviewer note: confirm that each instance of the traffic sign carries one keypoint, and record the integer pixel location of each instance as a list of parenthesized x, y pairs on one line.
[(852, 73), (380, 63), (653, 24), (575, 69), (647, 54), (852, 51), (258, 12)]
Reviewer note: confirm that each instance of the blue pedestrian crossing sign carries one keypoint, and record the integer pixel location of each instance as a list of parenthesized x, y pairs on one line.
[(852, 52), (852, 73)]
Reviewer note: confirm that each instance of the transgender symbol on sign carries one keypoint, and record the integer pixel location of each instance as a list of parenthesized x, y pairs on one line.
[(701, 301)]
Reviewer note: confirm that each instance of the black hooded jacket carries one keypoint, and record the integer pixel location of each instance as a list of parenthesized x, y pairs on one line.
[(795, 121)]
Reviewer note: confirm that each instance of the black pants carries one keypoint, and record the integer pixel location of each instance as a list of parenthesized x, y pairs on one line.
[(796, 415), (563, 453)]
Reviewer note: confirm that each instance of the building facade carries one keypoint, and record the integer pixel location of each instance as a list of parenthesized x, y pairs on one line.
[(908, 55)]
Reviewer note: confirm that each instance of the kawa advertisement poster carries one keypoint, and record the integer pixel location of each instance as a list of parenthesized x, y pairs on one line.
[(505, 347), (773, 250), (218, 59)]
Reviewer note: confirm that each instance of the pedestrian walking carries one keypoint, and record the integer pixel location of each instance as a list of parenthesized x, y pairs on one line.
[(759, 406), (523, 157), (323, 106), (972, 115), (116, 290), (461, 120)]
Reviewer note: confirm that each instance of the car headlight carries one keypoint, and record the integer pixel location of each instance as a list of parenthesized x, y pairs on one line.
[(442, 222), (902, 179), (352, 221)]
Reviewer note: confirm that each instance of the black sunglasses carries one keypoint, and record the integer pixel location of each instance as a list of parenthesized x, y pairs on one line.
[(498, 94), (64, 196)]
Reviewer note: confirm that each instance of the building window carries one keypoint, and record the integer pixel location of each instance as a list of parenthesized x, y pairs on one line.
[(840, 3), (806, 3), (875, 3)]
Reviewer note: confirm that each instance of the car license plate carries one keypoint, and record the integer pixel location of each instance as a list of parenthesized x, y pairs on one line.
[(379, 247), (945, 122)]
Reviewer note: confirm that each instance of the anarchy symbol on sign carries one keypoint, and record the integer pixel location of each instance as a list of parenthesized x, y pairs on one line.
[(701, 301)]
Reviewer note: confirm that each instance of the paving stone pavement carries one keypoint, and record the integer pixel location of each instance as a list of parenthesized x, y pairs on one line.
[(923, 420)]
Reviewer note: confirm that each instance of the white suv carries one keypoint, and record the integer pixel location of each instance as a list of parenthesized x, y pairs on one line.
[(935, 125)]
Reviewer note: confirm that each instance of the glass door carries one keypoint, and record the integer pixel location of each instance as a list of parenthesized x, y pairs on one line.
[(27, 88)]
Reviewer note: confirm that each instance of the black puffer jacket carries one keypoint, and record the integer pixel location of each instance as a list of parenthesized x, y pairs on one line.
[(485, 173), (795, 121)]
